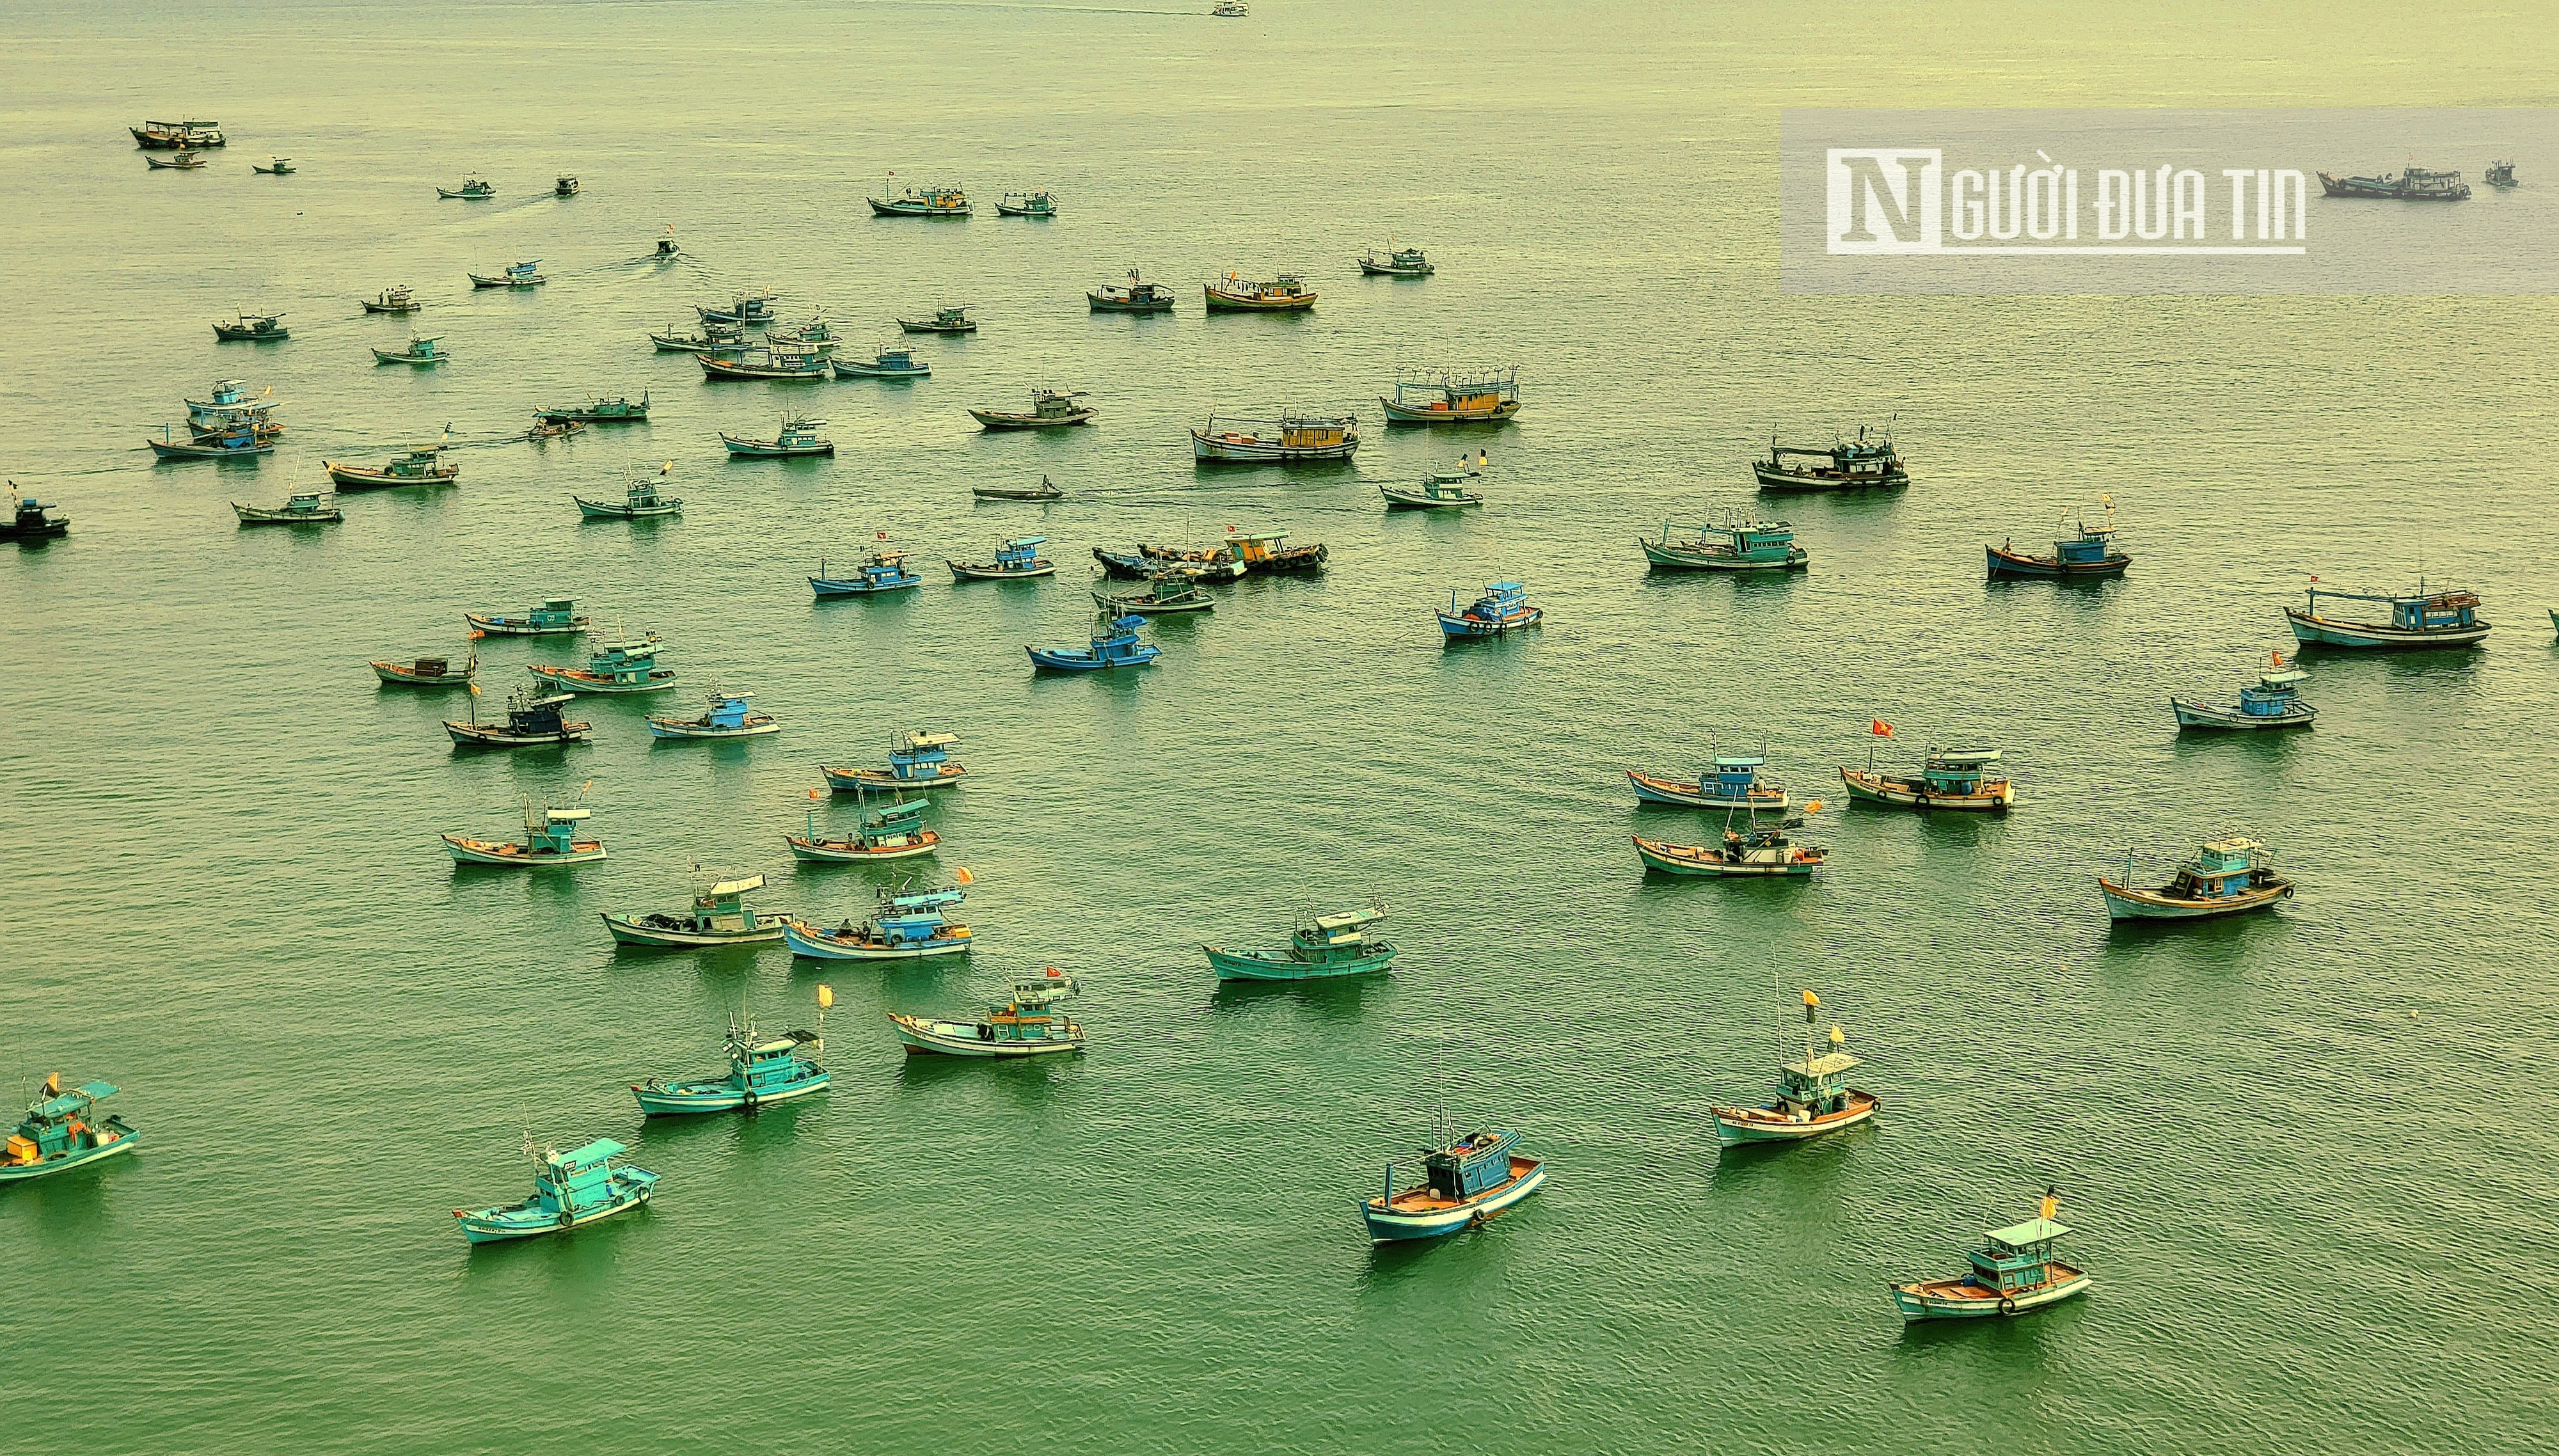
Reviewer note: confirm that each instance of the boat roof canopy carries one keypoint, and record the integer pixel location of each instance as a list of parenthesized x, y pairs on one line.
[(931, 740), (594, 1152), (1828, 1065), (72, 1101), (2033, 1230), (1348, 919), (2284, 679), (1740, 761), (726, 887), (1968, 756)]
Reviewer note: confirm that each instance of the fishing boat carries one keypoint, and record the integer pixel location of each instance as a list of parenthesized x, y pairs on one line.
[(812, 332), (1214, 566), (1466, 1181), (564, 185), (30, 523), (1133, 297), (1016, 559), (234, 442), (393, 301), (799, 437), (2012, 1273), (882, 572), (2415, 185), (2499, 175), (1283, 294), (894, 831), (922, 202), (180, 162), (761, 1070), (422, 350), (472, 190), (302, 507), (779, 360), (61, 1130), (162, 136), (420, 467), (719, 916), (252, 327), (1735, 546), (1115, 646), (1813, 1095), (2420, 619), (1270, 554), (1751, 852), (533, 720), (1167, 594), (2089, 556), (726, 717), (544, 431), (1028, 1024), (667, 245), (1026, 204), (570, 1188), (1732, 780), (1320, 948), (1291, 439), (428, 671), (2226, 876), (527, 274), (2275, 701), (639, 499), (1504, 607), (550, 838), (907, 925), (1441, 397), (1867, 462), (1046, 491), (747, 310), (891, 362), (1948, 778), (1229, 10), (619, 410), (630, 665), (711, 337), (1397, 263), (1440, 490), (557, 616), (1049, 408), (951, 319), (916, 759)]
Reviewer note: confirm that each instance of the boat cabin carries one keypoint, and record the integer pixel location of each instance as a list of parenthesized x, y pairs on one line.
[(2276, 694), (1470, 1166), (530, 714), (1958, 770), (723, 906), (1310, 432), (1349, 928), (1734, 776), (920, 755), (1256, 550), (1021, 553), (2093, 547), (2014, 1257), (2222, 869), (1818, 1085), (762, 1065), (728, 710), (580, 1179), (554, 830), (54, 1125), (565, 186)]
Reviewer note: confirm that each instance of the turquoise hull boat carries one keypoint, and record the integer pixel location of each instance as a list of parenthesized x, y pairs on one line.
[(1323, 947), (569, 1189), (760, 1072), (57, 1134), (1470, 1180)]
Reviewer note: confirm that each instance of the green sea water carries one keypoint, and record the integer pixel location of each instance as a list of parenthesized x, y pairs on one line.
[(2307, 1154)]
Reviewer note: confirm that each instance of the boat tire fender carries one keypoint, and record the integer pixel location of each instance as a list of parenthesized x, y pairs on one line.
[(565, 1218), (985, 1033), (749, 1100), (2007, 1305)]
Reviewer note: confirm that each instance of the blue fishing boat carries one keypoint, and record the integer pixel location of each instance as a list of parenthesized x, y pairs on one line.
[(1027, 1025), (880, 572), (1503, 607), (799, 437), (1036, 204), (894, 831), (422, 349), (1741, 545), (239, 441), (916, 759), (2226, 876), (1867, 462), (1320, 948), (2014, 1272), (719, 916), (1115, 646), (473, 190), (622, 409), (921, 202), (1948, 778), (533, 720), (640, 500), (728, 717), (1465, 1182), (2089, 556), (762, 1071), (231, 410), (61, 1131), (1018, 559), (1813, 1095), (889, 363), (302, 507), (1732, 780), (550, 838), (557, 616), (572, 1188), (2419, 619), (628, 665), (2275, 701), (1753, 851), (527, 274), (750, 310), (907, 925)]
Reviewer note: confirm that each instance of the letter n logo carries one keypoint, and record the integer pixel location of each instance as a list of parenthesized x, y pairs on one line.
[(1885, 200)]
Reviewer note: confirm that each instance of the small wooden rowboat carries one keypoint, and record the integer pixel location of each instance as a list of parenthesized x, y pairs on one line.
[(1045, 492)]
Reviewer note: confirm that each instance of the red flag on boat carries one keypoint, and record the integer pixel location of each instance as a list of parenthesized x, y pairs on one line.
[(1883, 729), (883, 536)]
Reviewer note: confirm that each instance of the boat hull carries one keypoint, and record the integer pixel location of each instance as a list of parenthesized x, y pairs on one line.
[(817, 944), (1230, 303), (691, 1098), (1388, 1226), (754, 727), (1404, 415), (1079, 660), (28, 1172), (767, 450), (1389, 270), (2193, 714), (167, 450), (1737, 1126), (1102, 305), (1652, 790), (356, 477), (971, 571), (1674, 559), (578, 679), (498, 735), (522, 627), (1218, 450), (1399, 500), (1867, 788), (2327, 632), (481, 1228), (1947, 1300), (628, 931), (1248, 965), (914, 210), (2124, 902), (718, 370), (848, 371), (1149, 606), (828, 586), (608, 510), (924, 1037), (255, 515), (393, 672), (1701, 860), (1457, 627), (2015, 566), (516, 856), (819, 852), (1779, 481), (996, 419)]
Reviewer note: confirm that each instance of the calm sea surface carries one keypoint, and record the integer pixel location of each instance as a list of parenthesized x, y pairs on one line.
[(2309, 1154)]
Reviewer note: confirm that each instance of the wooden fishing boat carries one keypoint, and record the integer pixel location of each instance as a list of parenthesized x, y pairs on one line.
[(303, 508), (761, 1072), (533, 720), (2089, 556), (621, 410), (30, 523), (667, 245), (1016, 559), (907, 925), (1049, 409), (2420, 619), (747, 310), (545, 431), (2275, 701), (472, 190), (1293, 439), (564, 185), (570, 1188), (2226, 876), (799, 436), (1270, 554), (1397, 263), (274, 167), (1115, 646), (1216, 567), (1439, 491), (421, 467), (1046, 491), (630, 665), (1026, 1025), (164, 136), (1737, 545), (1813, 1095), (422, 350), (181, 162), (712, 336), (1466, 1181), (253, 328), (640, 500), (1168, 594), (810, 333), (1504, 607), (922, 202), (1948, 778), (895, 831), (1320, 948), (428, 671), (1754, 853), (889, 363), (719, 916), (1134, 297), (776, 361), (550, 838), (1730, 782), (1283, 294), (882, 572), (951, 319), (61, 1130), (916, 759), (239, 442), (2012, 1273), (1229, 10), (1863, 464), (2415, 185), (393, 301), (1026, 204), (557, 616), (726, 717), (527, 274), (1443, 397), (2499, 175)]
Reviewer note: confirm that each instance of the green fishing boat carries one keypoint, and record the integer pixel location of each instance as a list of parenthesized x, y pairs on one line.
[(61, 1131), (2012, 1272), (1323, 947)]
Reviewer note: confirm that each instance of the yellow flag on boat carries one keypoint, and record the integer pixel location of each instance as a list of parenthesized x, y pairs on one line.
[(963, 876), (1811, 1000), (826, 997), (667, 468), (1838, 1036), (1814, 807), (474, 688)]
